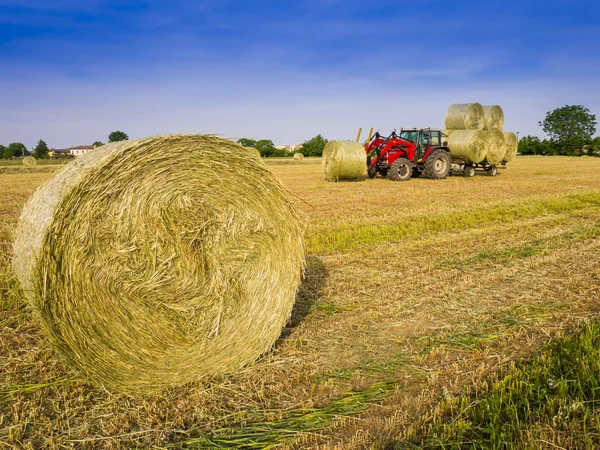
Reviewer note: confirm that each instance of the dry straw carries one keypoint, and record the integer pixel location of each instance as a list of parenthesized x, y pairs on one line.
[(468, 145), (29, 161), (494, 117), (495, 147), (467, 116), (298, 156), (344, 160), (153, 262), (253, 151), (511, 145)]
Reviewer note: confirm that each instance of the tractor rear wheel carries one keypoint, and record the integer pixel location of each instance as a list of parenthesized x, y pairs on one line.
[(437, 165), (401, 170)]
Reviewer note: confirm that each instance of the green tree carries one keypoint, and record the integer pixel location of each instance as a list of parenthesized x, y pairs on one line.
[(97, 144), (41, 150), (117, 136), (314, 146), (15, 149), (569, 127), (247, 142), (2, 150), (266, 148)]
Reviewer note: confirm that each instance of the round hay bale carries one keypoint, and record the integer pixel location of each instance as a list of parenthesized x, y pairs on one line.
[(344, 160), (493, 117), (253, 151), (511, 146), (29, 161), (468, 145), (467, 116), (298, 156), (447, 133), (495, 147), (154, 262)]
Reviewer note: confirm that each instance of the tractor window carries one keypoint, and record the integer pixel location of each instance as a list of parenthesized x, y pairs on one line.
[(409, 136), (435, 138)]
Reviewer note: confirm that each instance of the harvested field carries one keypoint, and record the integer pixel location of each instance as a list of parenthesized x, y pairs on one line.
[(405, 304)]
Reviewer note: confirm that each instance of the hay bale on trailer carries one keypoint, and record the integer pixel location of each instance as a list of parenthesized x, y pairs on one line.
[(493, 117), (468, 145), (29, 161), (511, 146), (298, 156), (344, 160), (467, 116), (495, 147), (154, 262)]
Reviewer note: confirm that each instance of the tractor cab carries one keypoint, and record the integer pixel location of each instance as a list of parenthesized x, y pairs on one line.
[(424, 139)]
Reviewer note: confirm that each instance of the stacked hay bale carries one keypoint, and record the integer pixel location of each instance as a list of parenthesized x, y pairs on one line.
[(344, 160), (475, 134), (29, 161), (154, 262)]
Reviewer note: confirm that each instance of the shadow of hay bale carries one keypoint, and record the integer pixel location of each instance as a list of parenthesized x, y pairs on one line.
[(308, 294)]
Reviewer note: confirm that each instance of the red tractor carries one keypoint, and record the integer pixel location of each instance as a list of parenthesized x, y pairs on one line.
[(407, 154)]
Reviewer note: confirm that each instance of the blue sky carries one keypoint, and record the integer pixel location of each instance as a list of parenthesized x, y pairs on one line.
[(72, 71)]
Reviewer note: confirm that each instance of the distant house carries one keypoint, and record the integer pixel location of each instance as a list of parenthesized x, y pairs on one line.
[(81, 150)]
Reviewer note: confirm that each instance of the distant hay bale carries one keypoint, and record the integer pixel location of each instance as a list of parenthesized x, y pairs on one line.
[(468, 145), (467, 116), (298, 156), (29, 161), (495, 147), (511, 146), (344, 160), (493, 117), (154, 262)]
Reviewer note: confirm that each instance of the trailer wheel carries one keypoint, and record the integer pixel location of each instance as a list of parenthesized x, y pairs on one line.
[(401, 170), (492, 171), (468, 171), (437, 165)]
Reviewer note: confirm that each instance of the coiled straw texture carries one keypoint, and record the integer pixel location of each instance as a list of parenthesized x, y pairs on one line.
[(468, 145), (29, 161), (511, 146), (467, 116), (495, 147), (154, 262), (494, 117), (344, 160)]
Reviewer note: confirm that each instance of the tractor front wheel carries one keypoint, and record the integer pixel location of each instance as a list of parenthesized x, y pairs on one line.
[(437, 165), (372, 171), (401, 170)]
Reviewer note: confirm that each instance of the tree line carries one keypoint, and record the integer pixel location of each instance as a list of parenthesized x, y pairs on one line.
[(312, 147), (569, 130), (18, 149)]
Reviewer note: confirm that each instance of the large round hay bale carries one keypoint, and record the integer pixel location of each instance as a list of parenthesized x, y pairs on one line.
[(157, 261), (468, 145), (511, 146), (253, 151), (344, 160), (298, 156), (29, 161), (495, 147), (467, 116), (493, 117)]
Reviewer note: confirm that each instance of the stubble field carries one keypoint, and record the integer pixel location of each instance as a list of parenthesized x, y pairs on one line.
[(418, 297)]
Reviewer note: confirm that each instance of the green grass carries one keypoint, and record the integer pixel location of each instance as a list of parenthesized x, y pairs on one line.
[(267, 435), (350, 237), (552, 398)]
